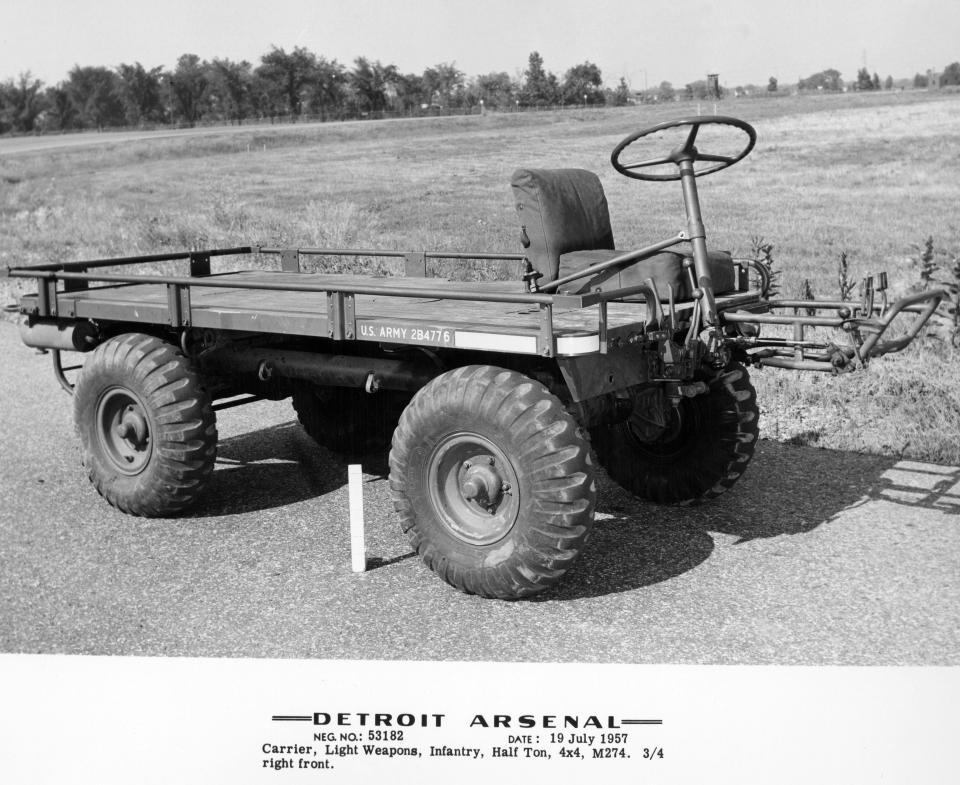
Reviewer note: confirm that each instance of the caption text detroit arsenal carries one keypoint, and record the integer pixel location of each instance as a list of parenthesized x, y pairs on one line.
[(390, 720)]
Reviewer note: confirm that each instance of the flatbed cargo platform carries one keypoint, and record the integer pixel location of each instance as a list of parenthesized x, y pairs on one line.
[(382, 309)]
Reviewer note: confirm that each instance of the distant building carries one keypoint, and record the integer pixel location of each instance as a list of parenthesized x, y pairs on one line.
[(933, 79), (713, 85)]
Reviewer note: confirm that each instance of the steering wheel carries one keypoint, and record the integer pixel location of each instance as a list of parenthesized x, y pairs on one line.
[(685, 152)]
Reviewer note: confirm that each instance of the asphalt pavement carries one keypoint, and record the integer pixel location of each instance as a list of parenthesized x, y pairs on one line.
[(815, 557)]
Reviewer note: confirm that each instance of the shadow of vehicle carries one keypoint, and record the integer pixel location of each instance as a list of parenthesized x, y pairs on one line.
[(266, 469), (788, 490)]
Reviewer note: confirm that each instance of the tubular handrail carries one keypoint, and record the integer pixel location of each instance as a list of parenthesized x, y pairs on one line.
[(928, 301), (627, 257), (218, 283), (69, 271), (507, 257), (827, 356), (27, 271)]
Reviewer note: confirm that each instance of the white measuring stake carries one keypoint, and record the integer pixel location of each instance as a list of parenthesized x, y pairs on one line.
[(358, 548)]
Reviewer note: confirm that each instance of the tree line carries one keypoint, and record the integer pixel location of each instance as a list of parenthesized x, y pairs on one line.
[(828, 80), (287, 86), (284, 86)]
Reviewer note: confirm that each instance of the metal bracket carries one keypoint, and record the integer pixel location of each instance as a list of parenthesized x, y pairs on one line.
[(603, 326), (415, 264), (199, 264), (47, 298), (290, 260), (341, 316), (349, 316), (73, 285), (178, 305), (545, 341)]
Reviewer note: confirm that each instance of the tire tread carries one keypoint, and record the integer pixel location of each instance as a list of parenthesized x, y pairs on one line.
[(562, 483), (184, 433), (714, 464)]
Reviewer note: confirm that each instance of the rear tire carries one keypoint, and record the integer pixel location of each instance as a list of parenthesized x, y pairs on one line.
[(346, 420), (492, 481), (147, 431), (701, 456)]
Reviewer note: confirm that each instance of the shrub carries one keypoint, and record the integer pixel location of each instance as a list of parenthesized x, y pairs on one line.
[(846, 284), (763, 252)]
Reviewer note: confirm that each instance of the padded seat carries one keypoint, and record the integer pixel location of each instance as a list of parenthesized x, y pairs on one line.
[(564, 214)]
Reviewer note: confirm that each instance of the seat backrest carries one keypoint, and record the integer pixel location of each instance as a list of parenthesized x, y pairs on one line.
[(563, 210)]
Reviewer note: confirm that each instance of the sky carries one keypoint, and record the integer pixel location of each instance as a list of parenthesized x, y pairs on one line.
[(744, 41)]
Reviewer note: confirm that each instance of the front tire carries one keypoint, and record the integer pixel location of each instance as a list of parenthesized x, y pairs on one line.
[(492, 481), (700, 456), (147, 431)]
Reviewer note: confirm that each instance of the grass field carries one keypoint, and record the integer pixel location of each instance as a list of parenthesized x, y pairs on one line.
[(869, 175)]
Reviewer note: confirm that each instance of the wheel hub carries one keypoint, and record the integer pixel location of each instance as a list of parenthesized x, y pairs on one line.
[(473, 488), (133, 427), (482, 483), (652, 416), (646, 428), (671, 440), (124, 431)]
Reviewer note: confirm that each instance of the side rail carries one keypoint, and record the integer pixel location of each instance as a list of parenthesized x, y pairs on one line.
[(49, 334), (48, 328), (414, 262)]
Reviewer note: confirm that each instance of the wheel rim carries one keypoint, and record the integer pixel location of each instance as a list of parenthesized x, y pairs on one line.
[(474, 488), (123, 430)]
